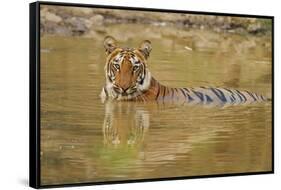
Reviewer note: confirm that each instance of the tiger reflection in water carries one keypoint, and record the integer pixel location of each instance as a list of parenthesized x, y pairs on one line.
[(125, 123)]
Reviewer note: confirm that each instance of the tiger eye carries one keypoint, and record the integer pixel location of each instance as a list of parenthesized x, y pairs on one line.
[(117, 66), (135, 68)]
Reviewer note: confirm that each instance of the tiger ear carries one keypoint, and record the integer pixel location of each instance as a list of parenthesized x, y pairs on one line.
[(109, 44), (145, 48)]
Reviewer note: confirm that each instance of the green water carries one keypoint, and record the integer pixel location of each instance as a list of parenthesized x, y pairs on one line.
[(85, 140)]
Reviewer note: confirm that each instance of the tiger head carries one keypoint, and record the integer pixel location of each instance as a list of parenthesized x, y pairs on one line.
[(126, 69)]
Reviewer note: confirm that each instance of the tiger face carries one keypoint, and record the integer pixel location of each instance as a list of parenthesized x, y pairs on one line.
[(126, 69)]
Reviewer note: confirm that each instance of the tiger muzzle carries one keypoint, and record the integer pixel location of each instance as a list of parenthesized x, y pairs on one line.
[(124, 91)]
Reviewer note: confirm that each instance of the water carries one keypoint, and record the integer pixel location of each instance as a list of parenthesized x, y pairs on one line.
[(85, 140)]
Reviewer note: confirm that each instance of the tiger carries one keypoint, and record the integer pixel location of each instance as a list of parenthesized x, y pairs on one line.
[(129, 79)]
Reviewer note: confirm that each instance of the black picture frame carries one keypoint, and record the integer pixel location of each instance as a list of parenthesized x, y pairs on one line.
[(34, 93)]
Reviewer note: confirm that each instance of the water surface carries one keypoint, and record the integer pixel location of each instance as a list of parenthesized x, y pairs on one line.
[(85, 140)]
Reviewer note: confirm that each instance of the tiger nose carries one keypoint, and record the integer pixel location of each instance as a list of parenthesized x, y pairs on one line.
[(124, 89), (120, 89)]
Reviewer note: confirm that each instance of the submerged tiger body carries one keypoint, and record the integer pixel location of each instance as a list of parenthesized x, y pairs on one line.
[(128, 78)]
